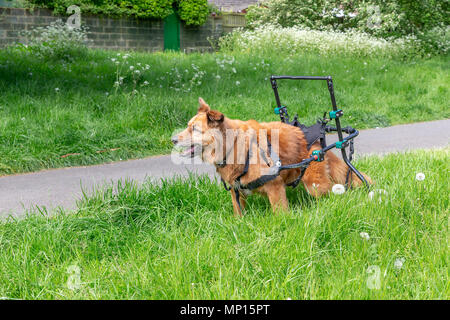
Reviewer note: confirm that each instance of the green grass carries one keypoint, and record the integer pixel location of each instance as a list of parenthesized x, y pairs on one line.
[(179, 240), (39, 125)]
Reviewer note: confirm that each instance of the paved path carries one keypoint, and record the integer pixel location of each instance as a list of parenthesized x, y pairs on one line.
[(61, 187)]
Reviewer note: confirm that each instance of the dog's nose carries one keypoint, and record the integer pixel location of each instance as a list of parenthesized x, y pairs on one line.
[(175, 139)]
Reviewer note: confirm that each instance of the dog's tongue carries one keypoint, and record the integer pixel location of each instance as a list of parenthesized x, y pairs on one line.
[(189, 151)]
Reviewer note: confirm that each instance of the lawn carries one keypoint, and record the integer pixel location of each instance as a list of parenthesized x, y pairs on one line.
[(57, 114), (179, 240)]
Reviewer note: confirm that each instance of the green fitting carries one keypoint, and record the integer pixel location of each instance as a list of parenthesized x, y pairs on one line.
[(319, 155), (340, 144), (277, 110), (335, 114)]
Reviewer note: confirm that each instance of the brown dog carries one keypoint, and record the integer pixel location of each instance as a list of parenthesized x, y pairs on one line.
[(208, 136)]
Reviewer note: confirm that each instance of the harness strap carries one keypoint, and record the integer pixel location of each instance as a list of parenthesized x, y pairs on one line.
[(236, 193), (247, 163), (299, 178), (349, 178), (237, 185), (257, 182), (261, 181), (225, 185)]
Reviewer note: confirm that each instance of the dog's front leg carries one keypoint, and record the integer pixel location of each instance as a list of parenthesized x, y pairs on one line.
[(237, 209), (277, 196)]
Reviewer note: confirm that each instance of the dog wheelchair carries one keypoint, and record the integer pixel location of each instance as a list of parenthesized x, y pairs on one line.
[(319, 130), (312, 134)]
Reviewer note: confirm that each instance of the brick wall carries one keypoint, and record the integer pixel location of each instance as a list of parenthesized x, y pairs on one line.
[(110, 33), (196, 38)]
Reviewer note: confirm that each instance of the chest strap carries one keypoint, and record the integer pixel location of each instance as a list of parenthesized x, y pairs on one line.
[(257, 182)]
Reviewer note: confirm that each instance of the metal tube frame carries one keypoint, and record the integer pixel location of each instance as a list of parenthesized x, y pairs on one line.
[(352, 133)]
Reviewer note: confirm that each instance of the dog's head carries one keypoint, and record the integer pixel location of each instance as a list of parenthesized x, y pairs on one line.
[(203, 131)]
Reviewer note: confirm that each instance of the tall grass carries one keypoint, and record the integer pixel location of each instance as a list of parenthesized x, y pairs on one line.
[(179, 240), (57, 113)]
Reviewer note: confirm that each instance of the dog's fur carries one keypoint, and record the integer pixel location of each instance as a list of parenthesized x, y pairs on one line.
[(318, 178)]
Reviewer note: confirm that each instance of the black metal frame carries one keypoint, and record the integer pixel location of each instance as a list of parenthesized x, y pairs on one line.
[(343, 141)]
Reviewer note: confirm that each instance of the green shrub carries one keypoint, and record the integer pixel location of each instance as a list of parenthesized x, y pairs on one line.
[(193, 12)]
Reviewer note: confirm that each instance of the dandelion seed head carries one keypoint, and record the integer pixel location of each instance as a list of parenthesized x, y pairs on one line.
[(364, 235), (420, 176), (338, 189), (398, 263)]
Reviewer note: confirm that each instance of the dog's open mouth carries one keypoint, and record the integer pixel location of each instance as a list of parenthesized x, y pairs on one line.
[(191, 150)]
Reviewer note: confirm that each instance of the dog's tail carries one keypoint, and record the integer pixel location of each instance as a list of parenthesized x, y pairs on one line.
[(339, 171)]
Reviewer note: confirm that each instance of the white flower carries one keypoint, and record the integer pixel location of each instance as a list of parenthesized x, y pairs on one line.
[(340, 14), (420, 176), (364, 235), (238, 83), (56, 89), (131, 68), (145, 83), (398, 264), (217, 77), (234, 70), (338, 189), (288, 299), (137, 71), (113, 59), (117, 63)]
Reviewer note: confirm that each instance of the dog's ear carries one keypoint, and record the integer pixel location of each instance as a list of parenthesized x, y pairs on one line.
[(202, 106), (215, 118)]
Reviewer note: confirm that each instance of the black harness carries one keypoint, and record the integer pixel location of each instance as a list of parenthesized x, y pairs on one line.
[(312, 134), (237, 186)]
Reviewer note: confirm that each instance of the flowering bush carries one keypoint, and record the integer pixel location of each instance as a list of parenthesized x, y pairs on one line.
[(56, 40), (425, 22), (270, 38)]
